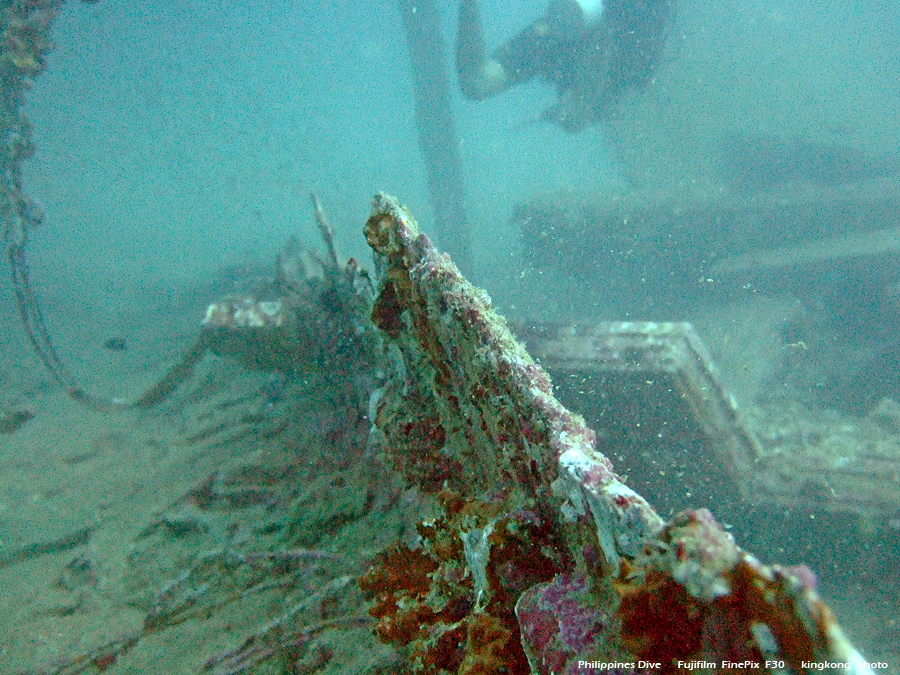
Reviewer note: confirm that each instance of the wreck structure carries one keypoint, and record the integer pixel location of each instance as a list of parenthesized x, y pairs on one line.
[(526, 551), (539, 544), (534, 555)]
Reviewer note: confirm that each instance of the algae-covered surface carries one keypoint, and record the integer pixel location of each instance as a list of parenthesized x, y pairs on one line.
[(226, 528)]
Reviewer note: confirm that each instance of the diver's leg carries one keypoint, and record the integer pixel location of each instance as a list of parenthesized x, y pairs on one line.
[(479, 76)]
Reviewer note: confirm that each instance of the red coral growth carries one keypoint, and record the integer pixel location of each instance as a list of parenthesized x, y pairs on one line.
[(771, 601), (425, 598), (398, 570), (387, 311), (399, 573), (737, 604), (488, 647), (659, 619), (405, 584), (421, 602), (518, 560), (444, 652)]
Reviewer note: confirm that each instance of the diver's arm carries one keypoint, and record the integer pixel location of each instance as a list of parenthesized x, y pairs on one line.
[(479, 76)]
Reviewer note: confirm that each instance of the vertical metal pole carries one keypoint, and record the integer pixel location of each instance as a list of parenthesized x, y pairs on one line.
[(437, 132)]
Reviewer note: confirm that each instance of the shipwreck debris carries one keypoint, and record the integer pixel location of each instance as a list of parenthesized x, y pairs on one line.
[(668, 420), (656, 397), (516, 465), (314, 314), (650, 250)]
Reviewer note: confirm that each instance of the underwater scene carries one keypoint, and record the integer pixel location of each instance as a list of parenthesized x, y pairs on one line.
[(476, 337)]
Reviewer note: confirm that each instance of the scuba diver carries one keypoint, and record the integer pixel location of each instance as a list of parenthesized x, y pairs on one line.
[(594, 52)]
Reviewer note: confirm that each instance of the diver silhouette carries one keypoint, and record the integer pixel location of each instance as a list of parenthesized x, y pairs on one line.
[(593, 52)]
